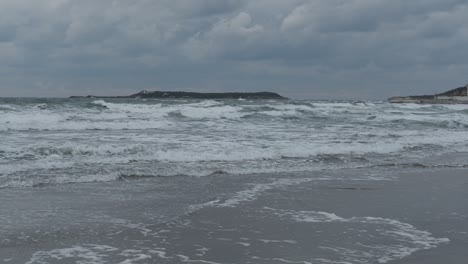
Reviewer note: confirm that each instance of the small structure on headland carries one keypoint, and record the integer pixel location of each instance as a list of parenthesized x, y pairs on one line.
[(455, 96)]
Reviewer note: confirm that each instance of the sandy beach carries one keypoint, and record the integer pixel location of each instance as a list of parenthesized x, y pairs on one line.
[(343, 216)]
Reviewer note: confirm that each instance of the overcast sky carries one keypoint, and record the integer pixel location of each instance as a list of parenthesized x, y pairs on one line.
[(300, 48)]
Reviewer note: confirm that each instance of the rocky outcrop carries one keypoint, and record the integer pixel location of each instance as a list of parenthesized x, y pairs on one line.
[(460, 91), (455, 96), (194, 95)]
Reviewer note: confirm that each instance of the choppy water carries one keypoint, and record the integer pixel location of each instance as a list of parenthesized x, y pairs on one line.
[(262, 181), (55, 141)]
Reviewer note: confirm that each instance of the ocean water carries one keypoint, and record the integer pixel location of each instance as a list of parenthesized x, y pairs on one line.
[(226, 181), (56, 141)]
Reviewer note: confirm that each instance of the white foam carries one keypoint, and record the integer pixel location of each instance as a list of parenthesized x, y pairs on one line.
[(8, 107), (186, 153), (171, 150), (95, 254), (406, 238), (118, 116), (128, 224), (205, 149), (32, 181), (10, 168), (231, 112), (63, 121), (201, 110), (207, 136), (252, 193), (285, 241), (134, 255), (293, 107), (160, 252)]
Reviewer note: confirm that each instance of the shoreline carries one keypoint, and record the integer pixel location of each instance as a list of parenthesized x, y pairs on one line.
[(234, 216)]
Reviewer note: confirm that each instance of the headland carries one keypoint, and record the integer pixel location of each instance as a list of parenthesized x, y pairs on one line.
[(194, 95), (455, 96)]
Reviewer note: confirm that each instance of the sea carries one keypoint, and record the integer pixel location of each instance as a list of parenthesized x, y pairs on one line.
[(214, 181)]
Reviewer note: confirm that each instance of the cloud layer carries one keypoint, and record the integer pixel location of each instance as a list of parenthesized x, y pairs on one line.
[(300, 48)]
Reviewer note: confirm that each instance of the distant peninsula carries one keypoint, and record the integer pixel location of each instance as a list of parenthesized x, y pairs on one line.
[(455, 96), (194, 95)]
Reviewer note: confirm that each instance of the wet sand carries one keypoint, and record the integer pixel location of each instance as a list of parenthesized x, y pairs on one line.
[(344, 216)]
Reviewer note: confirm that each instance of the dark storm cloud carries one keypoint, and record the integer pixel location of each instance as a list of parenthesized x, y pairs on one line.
[(302, 48)]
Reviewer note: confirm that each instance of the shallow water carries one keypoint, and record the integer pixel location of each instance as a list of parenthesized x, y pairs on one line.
[(337, 216)]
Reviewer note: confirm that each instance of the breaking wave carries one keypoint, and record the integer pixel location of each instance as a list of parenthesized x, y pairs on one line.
[(48, 137)]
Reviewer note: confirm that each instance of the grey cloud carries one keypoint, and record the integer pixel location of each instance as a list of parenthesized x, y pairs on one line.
[(303, 48), (203, 8)]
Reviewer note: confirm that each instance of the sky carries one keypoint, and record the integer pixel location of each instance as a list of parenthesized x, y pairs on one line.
[(304, 49)]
